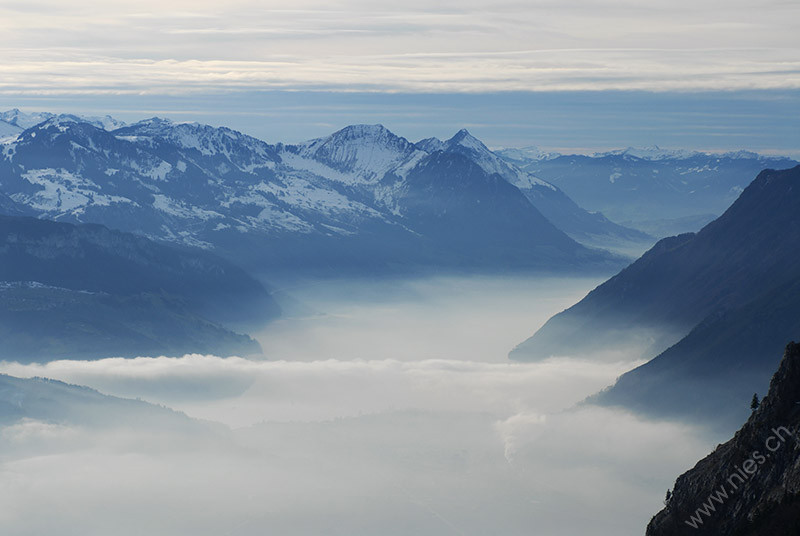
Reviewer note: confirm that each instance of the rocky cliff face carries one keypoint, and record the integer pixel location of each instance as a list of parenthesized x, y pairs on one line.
[(749, 486)]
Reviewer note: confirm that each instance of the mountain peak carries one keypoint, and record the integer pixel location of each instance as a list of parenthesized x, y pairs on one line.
[(153, 122), (363, 151), (62, 119), (468, 141), (208, 140), (463, 136), (430, 145), (60, 124), (24, 120), (353, 132), (377, 135)]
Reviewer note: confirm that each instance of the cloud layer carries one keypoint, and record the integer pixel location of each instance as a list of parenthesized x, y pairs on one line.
[(402, 442), (179, 48)]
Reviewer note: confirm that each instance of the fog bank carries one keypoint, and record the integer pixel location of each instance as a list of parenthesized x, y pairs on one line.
[(383, 409)]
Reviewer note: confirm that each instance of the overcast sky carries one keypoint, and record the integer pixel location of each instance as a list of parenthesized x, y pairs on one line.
[(239, 60)]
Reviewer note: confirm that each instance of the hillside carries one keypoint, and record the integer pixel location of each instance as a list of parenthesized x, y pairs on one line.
[(749, 251), (749, 486), (83, 291)]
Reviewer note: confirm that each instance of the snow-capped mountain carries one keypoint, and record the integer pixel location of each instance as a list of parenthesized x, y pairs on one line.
[(588, 228), (468, 145), (355, 154), (9, 131), (652, 152), (660, 191), (523, 155), (22, 120), (351, 198)]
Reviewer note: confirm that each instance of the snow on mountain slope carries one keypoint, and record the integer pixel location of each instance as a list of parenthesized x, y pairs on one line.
[(465, 143), (359, 153), (218, 188), (430, 145), (8, 131), (519, 155), (180, 174), (62, 192), (105, 122), (651, 188), (25, 121), (592, 229), (653, 152), (247, 152)]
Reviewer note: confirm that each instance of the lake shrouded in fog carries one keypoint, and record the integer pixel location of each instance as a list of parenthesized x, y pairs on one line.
[(380, 408)]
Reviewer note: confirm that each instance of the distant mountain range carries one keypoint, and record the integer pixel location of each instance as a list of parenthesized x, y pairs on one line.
[(362, 200), (715, 307), (83, 292), (352, 201), (749, 486), (14, 122), (661, 192)]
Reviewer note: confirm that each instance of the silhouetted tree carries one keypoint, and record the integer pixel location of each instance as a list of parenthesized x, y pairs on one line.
[(755, 402)]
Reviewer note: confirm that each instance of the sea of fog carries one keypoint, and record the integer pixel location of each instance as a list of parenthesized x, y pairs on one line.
[(381, 408)]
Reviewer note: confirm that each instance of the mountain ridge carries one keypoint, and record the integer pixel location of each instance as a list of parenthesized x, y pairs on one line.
[(84, 291), (327, 202), (654, 190), (683, 279), (750, 485)]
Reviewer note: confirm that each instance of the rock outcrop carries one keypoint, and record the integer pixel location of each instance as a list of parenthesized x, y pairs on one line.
[(749, 486)]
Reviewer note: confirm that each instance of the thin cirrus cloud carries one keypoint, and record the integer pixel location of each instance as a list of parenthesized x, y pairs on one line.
[(175, 47)]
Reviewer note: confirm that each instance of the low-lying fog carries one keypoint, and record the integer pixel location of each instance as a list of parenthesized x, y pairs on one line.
[(381, 409)]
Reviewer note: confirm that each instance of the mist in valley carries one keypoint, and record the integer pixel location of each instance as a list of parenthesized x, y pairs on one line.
[(381, 407)]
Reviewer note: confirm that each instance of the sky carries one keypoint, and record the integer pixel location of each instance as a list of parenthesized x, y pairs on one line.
[(589, 74)]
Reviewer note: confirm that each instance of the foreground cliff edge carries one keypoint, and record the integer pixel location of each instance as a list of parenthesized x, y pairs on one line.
[(749, 486)]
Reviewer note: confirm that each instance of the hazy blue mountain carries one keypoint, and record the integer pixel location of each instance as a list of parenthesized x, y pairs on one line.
[(452, 200), (592, 229), (9, 207), (715, 308), (7, 130), (672, 226), (732, 351), (56, 402), (661, 192), (750, 485), (749, 251), (83, 291), (711, 374), (331, 205), (22, 121)]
